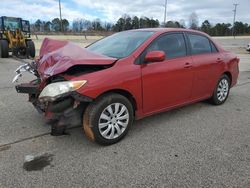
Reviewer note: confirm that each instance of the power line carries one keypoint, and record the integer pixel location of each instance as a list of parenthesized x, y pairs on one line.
[(235, 10)]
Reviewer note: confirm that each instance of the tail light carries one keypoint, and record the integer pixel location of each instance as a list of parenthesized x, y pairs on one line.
[(238, 61)]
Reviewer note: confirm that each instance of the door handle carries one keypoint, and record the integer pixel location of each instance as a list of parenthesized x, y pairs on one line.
[(219, 60), (187, 65)]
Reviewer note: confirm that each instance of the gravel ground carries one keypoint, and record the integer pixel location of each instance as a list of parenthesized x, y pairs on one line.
[(199, 145)]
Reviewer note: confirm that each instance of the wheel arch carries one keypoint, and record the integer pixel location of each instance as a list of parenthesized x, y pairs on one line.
[(124, 93), (229, 76)]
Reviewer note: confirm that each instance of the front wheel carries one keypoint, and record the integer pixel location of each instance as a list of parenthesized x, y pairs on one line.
[(221, 91), (107, 120)]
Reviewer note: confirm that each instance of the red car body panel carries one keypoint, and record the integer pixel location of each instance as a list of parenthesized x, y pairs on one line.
[(155, 87), (122, 76), (168, 78)]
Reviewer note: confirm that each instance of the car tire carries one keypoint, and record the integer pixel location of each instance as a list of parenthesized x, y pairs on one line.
[(221, 91), (31, 51), (108, 119), (4, 49)]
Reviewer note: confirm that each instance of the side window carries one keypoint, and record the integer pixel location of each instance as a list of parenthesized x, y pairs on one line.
[(214, 49), (25, 25), (199, 44), (172, 44)]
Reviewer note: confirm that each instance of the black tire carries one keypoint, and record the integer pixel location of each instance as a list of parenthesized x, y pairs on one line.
[(4, 49), (215, 98), (31, 50), (92, 116)]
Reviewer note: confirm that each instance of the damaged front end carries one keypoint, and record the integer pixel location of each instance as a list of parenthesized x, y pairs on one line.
[(54, 91), (58, 101)]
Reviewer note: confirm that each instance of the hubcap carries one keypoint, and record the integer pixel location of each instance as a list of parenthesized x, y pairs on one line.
[(222, 90), (113, 121)]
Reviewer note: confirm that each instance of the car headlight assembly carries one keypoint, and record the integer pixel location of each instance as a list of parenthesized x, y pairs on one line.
[(55, 90)]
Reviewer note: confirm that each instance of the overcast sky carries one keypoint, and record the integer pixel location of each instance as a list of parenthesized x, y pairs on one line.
[(110, 10)]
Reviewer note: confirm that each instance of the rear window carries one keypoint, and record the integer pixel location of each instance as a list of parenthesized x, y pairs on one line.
[(200, 44)]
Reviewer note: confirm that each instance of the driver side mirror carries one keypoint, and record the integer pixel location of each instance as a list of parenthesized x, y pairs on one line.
[(155, 56)]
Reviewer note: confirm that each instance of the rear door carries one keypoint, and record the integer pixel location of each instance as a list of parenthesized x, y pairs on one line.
[(168, 83), (206, 64)]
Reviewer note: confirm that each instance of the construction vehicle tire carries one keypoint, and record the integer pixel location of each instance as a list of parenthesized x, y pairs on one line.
[(4, 49)]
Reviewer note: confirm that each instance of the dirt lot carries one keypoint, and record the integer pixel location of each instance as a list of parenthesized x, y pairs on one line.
[(76, 39), (199, 145)]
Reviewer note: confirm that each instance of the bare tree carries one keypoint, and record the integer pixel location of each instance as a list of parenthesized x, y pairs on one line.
[(193, 21), (182, 23)]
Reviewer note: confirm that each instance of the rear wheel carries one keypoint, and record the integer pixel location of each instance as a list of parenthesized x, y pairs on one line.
[(221, 91), (31, 51), (4, 49), (107, 120)]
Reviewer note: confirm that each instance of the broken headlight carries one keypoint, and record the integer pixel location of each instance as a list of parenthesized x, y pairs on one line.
[(55, 90)]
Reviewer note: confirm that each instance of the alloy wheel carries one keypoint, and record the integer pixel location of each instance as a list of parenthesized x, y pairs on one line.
[(113, 121), (222, 90)]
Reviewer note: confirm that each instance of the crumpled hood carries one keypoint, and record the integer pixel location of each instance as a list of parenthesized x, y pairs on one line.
[(58, 56)]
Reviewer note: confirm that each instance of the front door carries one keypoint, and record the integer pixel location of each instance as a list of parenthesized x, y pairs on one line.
[(169, 83)]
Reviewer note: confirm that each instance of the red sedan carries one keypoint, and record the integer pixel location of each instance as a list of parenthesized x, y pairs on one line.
[(127, 76)]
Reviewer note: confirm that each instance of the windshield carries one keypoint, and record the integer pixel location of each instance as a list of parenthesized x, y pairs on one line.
[(120, 45), (11, 23)]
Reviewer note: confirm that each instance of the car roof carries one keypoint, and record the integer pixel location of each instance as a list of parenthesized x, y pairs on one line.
[(164, 30), (159, 31)]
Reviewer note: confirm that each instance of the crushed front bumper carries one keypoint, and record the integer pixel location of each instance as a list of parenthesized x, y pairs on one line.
[(59, 105), (66, 110), (28, 88)]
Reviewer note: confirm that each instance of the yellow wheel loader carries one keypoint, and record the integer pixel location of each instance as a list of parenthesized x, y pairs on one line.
[(15, 38)]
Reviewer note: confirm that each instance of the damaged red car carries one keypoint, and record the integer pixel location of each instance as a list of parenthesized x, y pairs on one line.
[(126, 76)]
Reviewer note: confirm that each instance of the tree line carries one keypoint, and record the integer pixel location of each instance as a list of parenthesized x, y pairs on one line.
[(53, 25), (219, 29), (79, 25), (127, 22), (225, 29)]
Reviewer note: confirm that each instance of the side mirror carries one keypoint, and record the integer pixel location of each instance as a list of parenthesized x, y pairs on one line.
[(155, 56)]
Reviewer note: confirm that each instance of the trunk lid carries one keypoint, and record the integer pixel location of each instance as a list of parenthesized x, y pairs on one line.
[(58, 56)]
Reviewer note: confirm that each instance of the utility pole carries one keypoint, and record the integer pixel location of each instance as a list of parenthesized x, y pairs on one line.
[(165, 12), (235, 10), (60, 15)]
